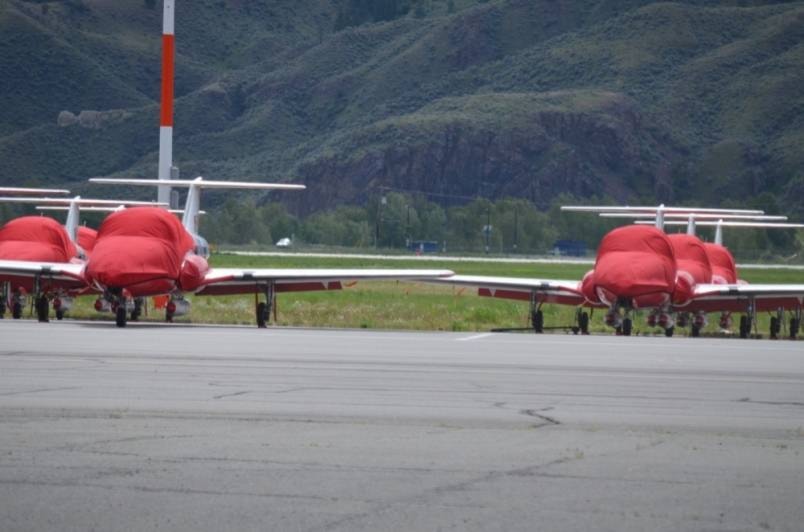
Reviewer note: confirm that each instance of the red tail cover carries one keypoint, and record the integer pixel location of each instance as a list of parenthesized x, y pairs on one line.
[(36, 238), (691, 257), (86, 238), (724, 270)]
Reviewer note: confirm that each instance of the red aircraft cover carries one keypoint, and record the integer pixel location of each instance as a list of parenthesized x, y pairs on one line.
[(36, 238), (691, 257), (86, 238), (140, 248), (635, 262), (724, 270)]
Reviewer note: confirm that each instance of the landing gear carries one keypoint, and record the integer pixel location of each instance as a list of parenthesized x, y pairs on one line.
[(536, 314), (4, 296), (59, 315), (795, 323), (136, 312), (121, 315), (582, 320), (263, 309), (263, 315), (42, 309), (627, 326), (537, 320), (695, 331), (16, 306), (669, 331), (775, 327), (119, 307), (745, 327), (748, 320)]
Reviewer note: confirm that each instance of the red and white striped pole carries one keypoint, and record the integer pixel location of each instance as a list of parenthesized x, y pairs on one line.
[(166, 116)]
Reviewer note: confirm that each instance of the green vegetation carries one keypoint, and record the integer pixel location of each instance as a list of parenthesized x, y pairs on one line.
[(392, 221)]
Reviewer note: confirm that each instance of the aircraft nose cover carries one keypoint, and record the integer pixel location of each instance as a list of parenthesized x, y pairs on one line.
[(588, 287), (635, 261), (36, 238), (137, 246), (722, 261), (691, 257), (193, 271)]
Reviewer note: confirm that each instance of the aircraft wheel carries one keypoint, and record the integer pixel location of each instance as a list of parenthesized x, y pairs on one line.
[(627, 326), (794, 326), (745, 326), (137, 311), (262, 315), (42, 309), (537, 320), (695, 331), (774, 328), (669, 332), (59, 315), (16, 310), (3, 310), (583, 322), (120, 315)]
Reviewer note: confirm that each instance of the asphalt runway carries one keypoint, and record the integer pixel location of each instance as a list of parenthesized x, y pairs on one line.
[(225, 428)]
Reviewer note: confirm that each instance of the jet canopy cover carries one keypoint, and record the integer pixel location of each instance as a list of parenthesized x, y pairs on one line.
[(635, 262), (139, 246), (691, 257), (724, 270), (36, 238)]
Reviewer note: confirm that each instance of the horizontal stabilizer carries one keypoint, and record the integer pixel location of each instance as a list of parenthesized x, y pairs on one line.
[(83, 202), (100, 209), (648, 210), (18, 191), (695, 216), (725, 223), (198, 182)]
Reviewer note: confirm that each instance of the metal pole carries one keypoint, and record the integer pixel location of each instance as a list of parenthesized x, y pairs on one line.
[(488, 227), (166, 114)]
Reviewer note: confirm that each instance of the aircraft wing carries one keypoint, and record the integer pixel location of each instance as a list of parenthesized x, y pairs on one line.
[(62, 274), (224, 281), (564, 292), (736, 297)]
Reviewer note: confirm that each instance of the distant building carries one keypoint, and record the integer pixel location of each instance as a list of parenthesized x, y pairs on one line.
[(570, 248)]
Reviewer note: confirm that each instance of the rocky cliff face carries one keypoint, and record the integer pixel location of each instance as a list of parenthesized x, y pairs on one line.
[(528, 152)]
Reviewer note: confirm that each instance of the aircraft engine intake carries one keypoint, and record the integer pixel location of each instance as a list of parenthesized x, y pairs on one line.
[(665, 320), (614, 319)]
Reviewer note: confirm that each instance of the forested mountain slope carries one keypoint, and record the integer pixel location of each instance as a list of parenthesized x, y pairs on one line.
[(635, 100)]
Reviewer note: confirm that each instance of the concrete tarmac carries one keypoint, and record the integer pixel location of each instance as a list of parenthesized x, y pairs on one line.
[(225, 428)]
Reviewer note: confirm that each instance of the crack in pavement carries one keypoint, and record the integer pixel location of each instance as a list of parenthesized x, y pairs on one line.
[(40, 390), (774, 403), (534, 413), (244, 392)]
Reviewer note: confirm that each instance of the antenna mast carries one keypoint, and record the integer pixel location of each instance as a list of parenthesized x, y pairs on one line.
[(166, 115)]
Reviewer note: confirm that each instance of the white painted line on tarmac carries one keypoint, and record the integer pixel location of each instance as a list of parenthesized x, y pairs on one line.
[(475, 337)]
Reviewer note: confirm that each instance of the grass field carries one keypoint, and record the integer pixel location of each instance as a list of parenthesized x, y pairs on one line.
[(406, 305)]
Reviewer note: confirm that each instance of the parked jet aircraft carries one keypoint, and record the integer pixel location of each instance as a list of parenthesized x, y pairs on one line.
[(43, 239), (146, 251), (642, 268)]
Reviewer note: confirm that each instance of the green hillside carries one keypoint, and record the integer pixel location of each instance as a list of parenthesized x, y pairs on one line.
[(689, 101)]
